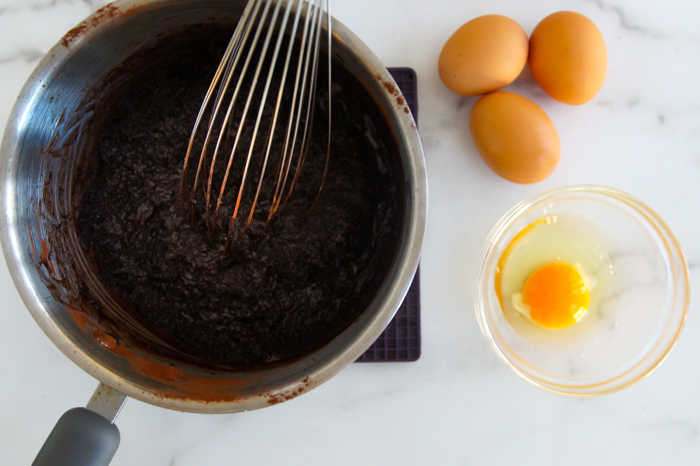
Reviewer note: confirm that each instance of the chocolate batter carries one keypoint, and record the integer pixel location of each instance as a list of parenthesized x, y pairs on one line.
[(272, 296)]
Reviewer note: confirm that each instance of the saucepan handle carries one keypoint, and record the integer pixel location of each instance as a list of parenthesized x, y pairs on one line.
[(85, 436)]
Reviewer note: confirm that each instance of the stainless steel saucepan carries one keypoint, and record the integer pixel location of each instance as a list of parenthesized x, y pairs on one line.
[(52, 124)]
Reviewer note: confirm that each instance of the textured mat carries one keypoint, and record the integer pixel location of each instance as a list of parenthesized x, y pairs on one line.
[(401, 341)]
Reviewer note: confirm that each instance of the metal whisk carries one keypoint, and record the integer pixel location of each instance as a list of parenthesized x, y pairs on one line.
[(257, 89)]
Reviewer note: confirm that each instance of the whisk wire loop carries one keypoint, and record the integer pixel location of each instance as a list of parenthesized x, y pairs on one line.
[(239, 91), (225, 69), (306, 135), (296, 111), (241, 125)]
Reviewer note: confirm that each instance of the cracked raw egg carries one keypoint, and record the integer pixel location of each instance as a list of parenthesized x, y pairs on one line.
[(551, 272)]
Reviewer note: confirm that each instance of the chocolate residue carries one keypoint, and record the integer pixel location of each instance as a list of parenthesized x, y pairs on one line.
[(388, 85), (106, 12)]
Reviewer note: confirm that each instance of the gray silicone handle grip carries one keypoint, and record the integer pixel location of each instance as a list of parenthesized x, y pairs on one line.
[(80, 438)]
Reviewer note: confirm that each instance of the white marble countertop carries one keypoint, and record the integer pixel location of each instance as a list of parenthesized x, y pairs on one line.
[(458, 404)]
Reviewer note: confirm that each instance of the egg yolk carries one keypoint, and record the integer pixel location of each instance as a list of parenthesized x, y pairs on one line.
[(557, 295)]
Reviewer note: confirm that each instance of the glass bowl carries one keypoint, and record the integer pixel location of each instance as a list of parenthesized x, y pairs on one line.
[(635, 316)]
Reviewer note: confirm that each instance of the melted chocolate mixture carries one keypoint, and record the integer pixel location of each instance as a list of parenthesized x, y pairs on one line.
[(270, 297)]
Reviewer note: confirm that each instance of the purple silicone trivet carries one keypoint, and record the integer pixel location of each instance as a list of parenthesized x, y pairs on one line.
[(400, 341)]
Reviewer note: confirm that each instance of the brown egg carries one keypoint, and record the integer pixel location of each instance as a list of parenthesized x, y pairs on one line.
[(515, 137), (483, 55), (568, 57)]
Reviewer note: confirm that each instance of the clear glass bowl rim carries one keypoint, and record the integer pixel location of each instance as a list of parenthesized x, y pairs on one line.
[(504, 223)]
